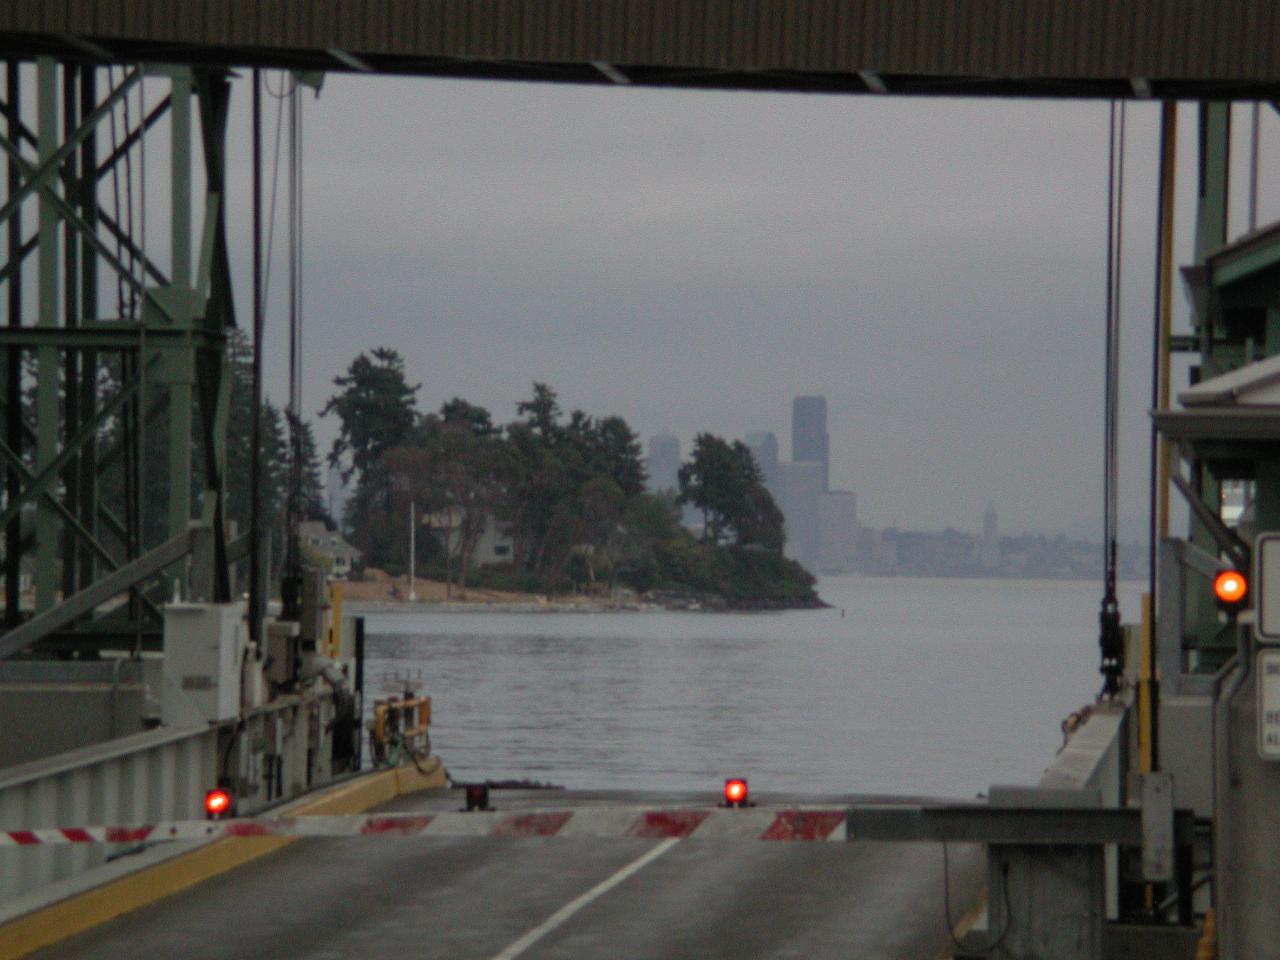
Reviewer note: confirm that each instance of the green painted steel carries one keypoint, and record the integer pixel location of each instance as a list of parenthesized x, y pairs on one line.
[(164, 346), (1236, 314), (47, 425)]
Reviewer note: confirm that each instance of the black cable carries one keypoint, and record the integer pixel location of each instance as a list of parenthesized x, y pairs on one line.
[(255, 454), (946, 897), (1110, 639), (292, 586), (1167, 117), (1008, 911)]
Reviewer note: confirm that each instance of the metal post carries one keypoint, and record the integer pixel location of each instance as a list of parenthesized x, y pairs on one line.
[(71, 318), (180, 378), (413, 596), (47, 425), (1211, 232), (255, 455), (89, 311), (13, 365), (1254, 150)]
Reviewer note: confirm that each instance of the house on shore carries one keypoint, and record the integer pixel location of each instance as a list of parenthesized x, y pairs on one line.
[(331, 545)]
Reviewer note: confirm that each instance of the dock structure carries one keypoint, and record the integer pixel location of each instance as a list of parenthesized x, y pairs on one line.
[(1179, 753), (566, 896)]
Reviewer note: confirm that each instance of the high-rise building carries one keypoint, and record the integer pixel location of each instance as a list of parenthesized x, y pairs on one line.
[(764, 447), (989, 545), (663, 463), (837, 531), (809, 440), (801, 505)]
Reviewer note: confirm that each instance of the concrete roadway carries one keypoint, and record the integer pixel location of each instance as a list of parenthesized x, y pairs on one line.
[(556, 899)]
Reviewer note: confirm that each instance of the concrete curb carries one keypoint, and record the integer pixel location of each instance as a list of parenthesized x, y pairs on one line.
[(84, 911)]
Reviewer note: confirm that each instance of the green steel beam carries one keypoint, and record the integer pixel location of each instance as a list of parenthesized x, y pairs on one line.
[(15, 263), (40, 481), (1246, 265), (49, 196), (47, 419), (131, 138), (108, 335), (49, 163), (50, 500), (184, 359), (1215, 167), (180, 387), (120, 580)]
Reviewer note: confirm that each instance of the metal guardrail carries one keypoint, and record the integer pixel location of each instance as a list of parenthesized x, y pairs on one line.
[(157, 775)]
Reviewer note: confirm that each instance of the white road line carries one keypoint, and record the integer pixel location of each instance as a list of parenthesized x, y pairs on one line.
[(573, 906)]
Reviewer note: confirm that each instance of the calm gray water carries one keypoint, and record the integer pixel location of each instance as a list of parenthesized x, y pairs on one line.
[(938, 687)]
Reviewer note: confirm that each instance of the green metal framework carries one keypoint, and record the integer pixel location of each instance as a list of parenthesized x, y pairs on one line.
[(1235, 294), (111, 410)]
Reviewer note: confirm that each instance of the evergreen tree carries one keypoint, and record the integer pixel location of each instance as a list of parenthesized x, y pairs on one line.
[(375, 407), (312, 506), (723, 480)]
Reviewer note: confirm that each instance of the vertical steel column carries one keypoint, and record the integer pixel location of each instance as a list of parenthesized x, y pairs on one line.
[(1215, 163), (180, 383), (13, 362), (214, 281), (256, 584), (71, 546), (1211, 232), (89, 312), (54, 430), (47, 420)]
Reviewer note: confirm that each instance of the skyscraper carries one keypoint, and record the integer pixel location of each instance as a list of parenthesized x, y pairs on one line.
[(989, 545), (801, 502), (837, 531), (663, 463), (809, 440)]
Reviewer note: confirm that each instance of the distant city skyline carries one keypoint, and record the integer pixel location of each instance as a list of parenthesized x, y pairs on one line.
[(692, 260)]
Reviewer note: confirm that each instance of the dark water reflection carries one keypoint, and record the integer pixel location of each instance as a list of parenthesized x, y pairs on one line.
[(923, 686)]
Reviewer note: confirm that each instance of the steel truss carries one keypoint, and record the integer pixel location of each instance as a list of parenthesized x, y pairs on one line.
[(104, 406)]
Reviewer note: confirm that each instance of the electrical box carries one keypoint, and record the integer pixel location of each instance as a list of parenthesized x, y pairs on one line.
[(1266, 577), (284, 652), (203, 647), (315, 608)]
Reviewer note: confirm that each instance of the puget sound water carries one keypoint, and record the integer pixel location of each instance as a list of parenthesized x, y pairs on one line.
[(922, 687)]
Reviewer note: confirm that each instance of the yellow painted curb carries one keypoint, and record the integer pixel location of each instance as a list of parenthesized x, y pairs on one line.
[(94, 907)]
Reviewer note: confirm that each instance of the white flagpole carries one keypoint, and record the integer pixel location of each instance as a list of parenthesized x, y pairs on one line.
[(413, 596)]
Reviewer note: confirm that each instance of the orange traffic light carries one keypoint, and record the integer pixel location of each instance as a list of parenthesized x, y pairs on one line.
[(735, 792), (218, 803), (1231, 587)]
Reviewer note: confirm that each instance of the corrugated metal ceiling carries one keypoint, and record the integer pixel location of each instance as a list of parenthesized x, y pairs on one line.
[(970, 41)]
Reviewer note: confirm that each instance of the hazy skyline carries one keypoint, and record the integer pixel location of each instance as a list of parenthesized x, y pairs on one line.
[(693, 260)]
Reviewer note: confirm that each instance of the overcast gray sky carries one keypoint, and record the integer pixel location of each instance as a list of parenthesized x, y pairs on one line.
[(693, 260)]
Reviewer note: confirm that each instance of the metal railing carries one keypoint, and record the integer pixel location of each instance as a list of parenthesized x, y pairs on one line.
[(158, 774)]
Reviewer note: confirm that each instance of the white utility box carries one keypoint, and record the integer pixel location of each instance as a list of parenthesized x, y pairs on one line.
[(1266, 578), (203, 648)]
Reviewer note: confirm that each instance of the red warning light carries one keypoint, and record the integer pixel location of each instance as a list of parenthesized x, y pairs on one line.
[(735, 792), (218, 803), (1230, 587)]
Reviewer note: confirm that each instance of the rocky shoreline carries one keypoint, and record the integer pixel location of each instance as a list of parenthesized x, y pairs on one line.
[(641, 604)]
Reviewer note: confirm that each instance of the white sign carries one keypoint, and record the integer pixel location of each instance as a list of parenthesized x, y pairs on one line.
[(1266, 578), (1269, 704)]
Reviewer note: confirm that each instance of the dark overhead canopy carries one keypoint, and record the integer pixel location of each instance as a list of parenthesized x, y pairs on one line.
[(1223, 49)]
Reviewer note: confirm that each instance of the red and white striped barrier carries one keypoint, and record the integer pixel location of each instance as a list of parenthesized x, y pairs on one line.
[(696, 823)]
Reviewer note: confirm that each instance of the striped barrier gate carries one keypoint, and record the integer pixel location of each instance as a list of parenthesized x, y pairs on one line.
[(695, 823)]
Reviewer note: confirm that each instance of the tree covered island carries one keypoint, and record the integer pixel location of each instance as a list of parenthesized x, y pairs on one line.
[(566, 493)]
